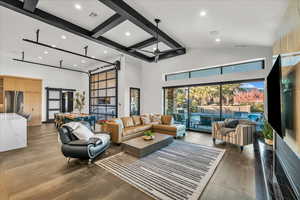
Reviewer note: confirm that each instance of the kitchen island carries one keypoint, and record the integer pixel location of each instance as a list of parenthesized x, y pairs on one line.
[(13, 131)]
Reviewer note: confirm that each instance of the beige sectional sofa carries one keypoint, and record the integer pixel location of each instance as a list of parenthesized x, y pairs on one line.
[(125, 128)]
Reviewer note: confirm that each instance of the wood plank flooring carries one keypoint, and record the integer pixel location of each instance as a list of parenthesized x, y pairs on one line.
[(40, 172)]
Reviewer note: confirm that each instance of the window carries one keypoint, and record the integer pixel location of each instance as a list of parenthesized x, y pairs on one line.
[(198, 107), (242, 67), (184, 75), (134, 101), (103, 94), (206, 72)]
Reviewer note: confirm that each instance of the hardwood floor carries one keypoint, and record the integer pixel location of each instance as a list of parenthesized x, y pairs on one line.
[(40, 172)]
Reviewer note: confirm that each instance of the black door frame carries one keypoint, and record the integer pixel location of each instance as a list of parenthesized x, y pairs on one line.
[(139, 99)]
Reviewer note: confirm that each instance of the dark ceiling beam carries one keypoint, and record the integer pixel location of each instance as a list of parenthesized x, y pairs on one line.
[(68, 26), (144, 44), (132, 15), (170, 55), (107, 25), (30, 5)]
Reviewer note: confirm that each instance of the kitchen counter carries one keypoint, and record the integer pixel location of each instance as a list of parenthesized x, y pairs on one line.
[(13, 131)]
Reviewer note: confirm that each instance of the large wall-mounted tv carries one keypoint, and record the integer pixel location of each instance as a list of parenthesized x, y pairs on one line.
[(274, 97)]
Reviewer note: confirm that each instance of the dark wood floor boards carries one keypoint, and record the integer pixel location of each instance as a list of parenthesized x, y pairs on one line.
[(40, 172)]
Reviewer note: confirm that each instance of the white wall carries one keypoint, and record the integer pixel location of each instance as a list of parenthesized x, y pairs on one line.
[(130, 75), (153, 73), (51, 78)]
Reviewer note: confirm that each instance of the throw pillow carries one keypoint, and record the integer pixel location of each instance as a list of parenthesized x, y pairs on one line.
[(231, 123), (156, 118), (137, 120), (167, 119), (80, 131), (127, 121), (119, 121), (145, 119)]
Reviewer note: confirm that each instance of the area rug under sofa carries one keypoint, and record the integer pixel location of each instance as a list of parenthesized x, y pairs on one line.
[(179, 171)]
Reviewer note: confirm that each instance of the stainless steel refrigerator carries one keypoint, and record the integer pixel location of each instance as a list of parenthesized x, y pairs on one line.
[(14, 102)]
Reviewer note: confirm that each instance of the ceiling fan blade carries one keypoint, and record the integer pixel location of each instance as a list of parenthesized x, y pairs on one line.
[(156, 58), (146, 51), (171, 50)]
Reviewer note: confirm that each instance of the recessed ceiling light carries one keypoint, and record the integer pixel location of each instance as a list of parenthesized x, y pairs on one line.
[(83, 61), (53, 46), (203, 13), (63, 37), (93, 57), (127, 33), (45, 52), (78, 6), (105, 52), (75, 65), (218, 39), (40, 57)]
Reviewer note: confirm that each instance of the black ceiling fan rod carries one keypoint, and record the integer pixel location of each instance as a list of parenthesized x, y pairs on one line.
[(66, 51), (52, 66)]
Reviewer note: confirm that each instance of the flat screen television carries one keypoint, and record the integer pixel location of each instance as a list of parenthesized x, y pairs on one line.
[(274, 97)]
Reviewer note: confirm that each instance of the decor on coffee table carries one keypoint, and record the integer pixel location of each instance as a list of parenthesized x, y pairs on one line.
[(179, 171), (140, 147), (148, 135)]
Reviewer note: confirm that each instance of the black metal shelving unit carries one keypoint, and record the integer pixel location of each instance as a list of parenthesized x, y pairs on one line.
[(104, 94)]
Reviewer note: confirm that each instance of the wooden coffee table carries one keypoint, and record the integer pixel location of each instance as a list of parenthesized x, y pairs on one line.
[(139, 147)]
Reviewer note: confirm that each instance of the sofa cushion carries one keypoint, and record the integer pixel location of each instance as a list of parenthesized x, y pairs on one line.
[(127, 121), (136, 129), (167, 119), (137, 120), (164, 127), (143, 127), (156, 118), (145, 119)]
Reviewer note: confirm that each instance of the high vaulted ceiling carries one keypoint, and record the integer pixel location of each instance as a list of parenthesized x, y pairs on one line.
[(235, 22)]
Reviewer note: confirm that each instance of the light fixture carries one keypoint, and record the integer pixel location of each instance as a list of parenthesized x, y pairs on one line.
[(63, 37), (218, 39), (78, 6), (53, 46), (74, 65), (83, 61), (203, 13), (105, 52), (40, 57), (45, 52), (93, 57), (154, 48), (127, 33)]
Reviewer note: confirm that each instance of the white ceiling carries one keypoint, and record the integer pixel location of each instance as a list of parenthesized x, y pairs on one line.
[(239, 22)]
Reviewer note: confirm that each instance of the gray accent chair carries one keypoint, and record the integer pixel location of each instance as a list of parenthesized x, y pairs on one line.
[(72, 147)]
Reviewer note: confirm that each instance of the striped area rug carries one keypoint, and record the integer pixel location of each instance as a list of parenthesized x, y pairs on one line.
[(179, 171)]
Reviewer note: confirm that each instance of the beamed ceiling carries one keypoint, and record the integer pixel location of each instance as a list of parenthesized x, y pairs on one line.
[(116, 15)]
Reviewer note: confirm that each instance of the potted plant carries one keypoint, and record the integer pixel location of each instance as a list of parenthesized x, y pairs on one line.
[(103, 125), (79, 101), (267, 133), (148, 135)]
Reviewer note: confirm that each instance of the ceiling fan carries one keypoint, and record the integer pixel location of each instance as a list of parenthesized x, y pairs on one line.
[(157, 53)]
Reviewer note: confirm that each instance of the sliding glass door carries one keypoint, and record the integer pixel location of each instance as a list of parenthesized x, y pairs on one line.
[(198, 106), (244, 101), (176, 104), (204, 107)]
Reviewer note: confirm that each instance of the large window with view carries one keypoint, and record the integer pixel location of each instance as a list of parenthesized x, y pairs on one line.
[(198, 107)]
